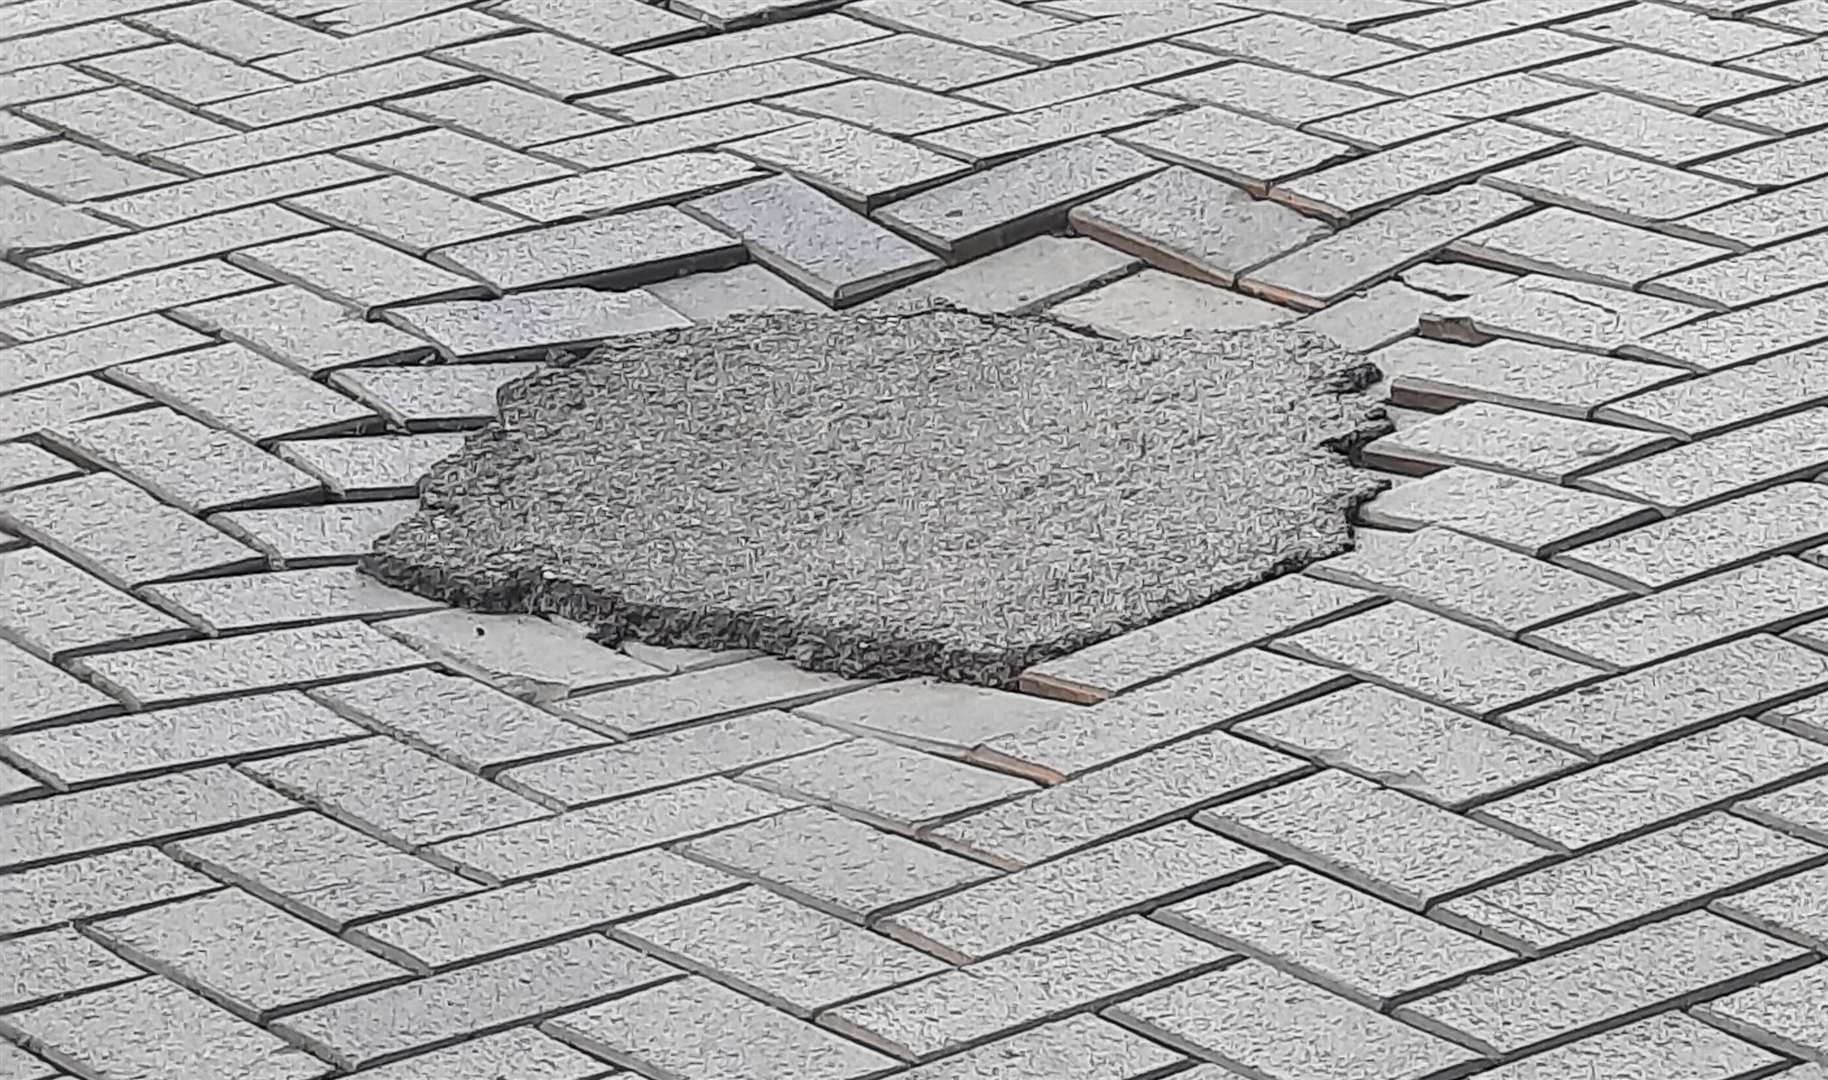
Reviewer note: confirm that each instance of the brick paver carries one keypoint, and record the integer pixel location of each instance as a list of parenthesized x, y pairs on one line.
[(1532, 785)]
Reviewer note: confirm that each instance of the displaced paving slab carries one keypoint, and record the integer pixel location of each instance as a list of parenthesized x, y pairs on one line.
[(923, 493)]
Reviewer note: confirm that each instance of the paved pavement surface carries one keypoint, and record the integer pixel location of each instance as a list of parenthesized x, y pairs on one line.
[(926, 493), (1533, 784)]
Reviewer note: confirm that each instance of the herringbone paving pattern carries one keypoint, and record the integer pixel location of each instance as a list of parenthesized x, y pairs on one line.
[(1533, 784)]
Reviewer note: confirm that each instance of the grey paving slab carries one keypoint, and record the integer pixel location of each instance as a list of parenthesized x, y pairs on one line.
[(143, 744), (1550, 311), (1347, 827), (1182, 221), (1437, 659), (151, 249), (273, 659), (120, 816), (72, 172), (1427, 373), (117, 532), (772, 40), (1799, 810), (232, 190), (1682, 32), (1020, 280), (860, 167), (1252, 1017), (1155, 303), (276, 600), (1678, 82), (615, 252), (537, 322), (1614, 186), (1771, 595), (1535, 446), (303, 536), (1625, 885), (999, 138), (122, 299), (1729, 338), (644, 1030), (406, 214), (931, 63), (1440, 69), (986, 24), (16, 1064), (519, 1054), (788, 955), (94, 887), (233, 388), (1112, 879), (813, 241), (1499, 591), (741, 290), (832, 863), (1127, 795), (432, 398), (995, 208), (670, 135), (46, 362), (1669, 1044), (452, 160), (302, 330), (41, 693), (1726, 399), (1409, 745), (1243, 150), (1076, 1048), (887, 785), (400, 795), (1718, 537), (1375, 249), (698, 92), (285, 142), (1144, 655), (245, 955), (156, 1029), (1656, 785), (57, 964), (1578, 992), (1195, 701), (360, 273), (1332, 935), (1792, 907), (342, 90), (462, 721), (67, 401), (36, 222), (51, 608), (629, 186), (887, 107), (182, 461), (380, 466), (568, 904), (718, 748), (599, 832), (1761, 219), (1583, 247), (431, 1013), (1079, 972), (527, 657), (1674, 696)]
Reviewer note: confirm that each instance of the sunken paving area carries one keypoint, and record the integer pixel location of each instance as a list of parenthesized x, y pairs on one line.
[(1532, 784)]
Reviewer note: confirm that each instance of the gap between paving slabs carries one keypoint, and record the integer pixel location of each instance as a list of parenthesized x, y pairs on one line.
[(928, 492)]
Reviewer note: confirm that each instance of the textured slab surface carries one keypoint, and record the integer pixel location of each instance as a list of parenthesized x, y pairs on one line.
[(971, 599)]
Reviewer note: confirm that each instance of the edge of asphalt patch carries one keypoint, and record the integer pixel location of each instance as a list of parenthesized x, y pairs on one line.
[(921, 493)]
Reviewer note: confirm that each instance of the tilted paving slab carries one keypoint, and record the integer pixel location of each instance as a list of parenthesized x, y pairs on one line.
[(1001, 359)]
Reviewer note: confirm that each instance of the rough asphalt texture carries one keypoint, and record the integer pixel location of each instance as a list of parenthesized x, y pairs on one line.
[(933, 493)]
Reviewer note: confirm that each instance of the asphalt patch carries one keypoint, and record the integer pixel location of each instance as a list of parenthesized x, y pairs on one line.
[(926, 493)]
